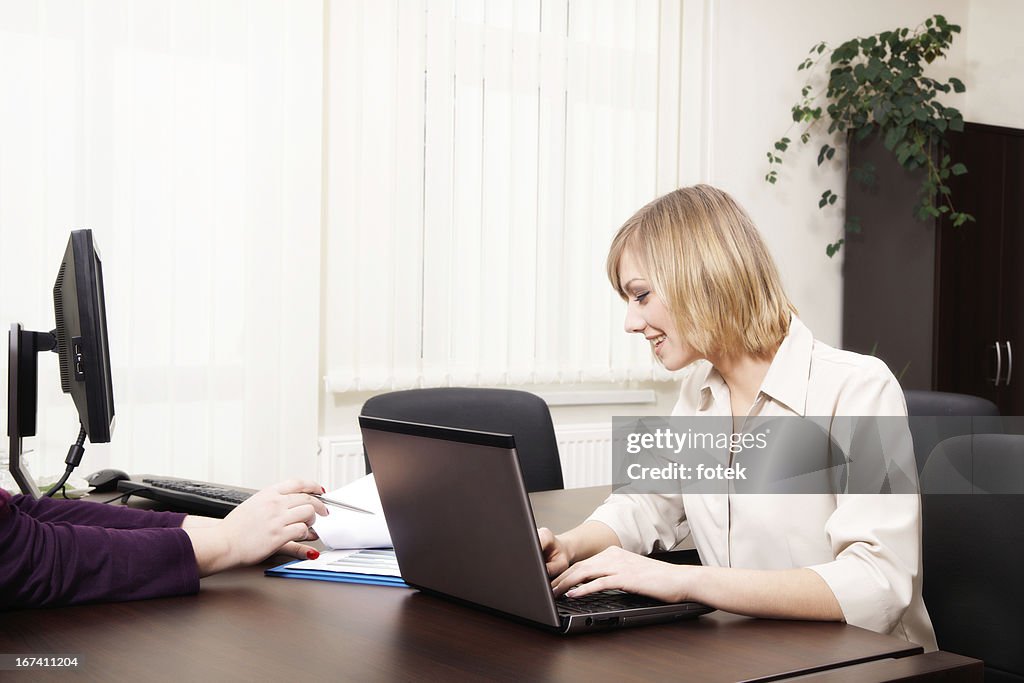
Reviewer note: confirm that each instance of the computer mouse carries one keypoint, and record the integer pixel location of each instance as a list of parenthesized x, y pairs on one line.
[(106, 480)]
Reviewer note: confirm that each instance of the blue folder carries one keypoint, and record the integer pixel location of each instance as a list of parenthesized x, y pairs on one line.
[(340, 577)]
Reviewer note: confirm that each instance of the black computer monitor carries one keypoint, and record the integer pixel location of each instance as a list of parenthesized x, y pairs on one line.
[(80, 341)]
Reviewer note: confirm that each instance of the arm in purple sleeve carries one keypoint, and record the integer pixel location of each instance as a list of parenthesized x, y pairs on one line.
[(87, 513), (49, 564)]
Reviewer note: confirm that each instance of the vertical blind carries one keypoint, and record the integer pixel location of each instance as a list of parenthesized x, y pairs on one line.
[(479, 156), (187, 135)]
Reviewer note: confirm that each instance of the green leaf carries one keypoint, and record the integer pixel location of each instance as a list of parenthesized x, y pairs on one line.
[(821, 154), (852, 224), (893, 136), (959, 169), (957, 84), (832, 249), (864, 175)]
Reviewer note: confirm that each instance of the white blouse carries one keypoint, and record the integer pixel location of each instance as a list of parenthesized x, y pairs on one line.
[(867, 548)]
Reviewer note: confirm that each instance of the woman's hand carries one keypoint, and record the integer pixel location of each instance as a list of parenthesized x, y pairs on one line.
[(554, 551), (615, 568), (276, 519)]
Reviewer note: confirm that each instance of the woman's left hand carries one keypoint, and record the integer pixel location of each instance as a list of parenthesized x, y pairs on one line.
[(615, 568)]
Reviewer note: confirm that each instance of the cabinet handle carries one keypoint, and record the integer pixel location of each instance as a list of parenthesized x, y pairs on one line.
[(1009, 363), (999, 364)]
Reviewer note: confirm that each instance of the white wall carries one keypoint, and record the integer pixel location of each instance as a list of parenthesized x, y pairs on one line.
[(757, 47), (995, 64)]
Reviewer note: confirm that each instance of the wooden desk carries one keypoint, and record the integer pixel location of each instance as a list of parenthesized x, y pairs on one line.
[(934, 666), (245, 625)]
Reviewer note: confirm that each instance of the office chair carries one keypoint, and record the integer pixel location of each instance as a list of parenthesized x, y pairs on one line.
[(951, 415), (944, 403), (523, 415), (973, 551)]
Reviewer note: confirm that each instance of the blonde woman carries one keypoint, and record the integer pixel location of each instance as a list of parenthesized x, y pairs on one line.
[(701, 287)]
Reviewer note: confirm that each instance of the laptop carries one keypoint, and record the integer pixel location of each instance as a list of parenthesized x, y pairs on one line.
[(463, 528)]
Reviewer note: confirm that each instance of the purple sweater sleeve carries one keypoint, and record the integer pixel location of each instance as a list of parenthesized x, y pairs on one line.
[(46, 563), (95, 514)]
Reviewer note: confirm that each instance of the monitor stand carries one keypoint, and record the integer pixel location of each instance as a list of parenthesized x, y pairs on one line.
[(22, 390)]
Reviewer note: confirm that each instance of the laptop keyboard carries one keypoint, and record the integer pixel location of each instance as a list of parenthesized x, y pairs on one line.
[(604, 601)]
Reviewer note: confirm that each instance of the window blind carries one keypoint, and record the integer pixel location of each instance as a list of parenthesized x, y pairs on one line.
[(480, 154), (187, 135)]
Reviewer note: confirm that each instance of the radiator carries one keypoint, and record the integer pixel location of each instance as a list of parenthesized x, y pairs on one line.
[(585, 451)]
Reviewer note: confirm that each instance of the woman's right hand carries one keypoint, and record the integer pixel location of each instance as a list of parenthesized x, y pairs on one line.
[(271, 520), (554, 551)]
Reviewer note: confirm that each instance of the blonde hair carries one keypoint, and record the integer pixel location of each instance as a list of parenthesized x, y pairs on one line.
[(703, 257)]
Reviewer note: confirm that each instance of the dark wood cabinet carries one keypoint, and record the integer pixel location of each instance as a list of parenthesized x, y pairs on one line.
[(981, 275), (943, 306)]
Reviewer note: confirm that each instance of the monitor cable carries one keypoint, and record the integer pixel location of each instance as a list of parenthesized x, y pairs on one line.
[(74, 457)]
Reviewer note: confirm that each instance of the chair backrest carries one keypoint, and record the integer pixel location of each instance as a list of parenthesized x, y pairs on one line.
[(972, 541), (973, 550), (953, 415), (945, 403), (523, 415)]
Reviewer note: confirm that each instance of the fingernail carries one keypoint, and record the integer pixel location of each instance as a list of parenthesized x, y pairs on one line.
[(312, 554), (570, 594), (323, 490)]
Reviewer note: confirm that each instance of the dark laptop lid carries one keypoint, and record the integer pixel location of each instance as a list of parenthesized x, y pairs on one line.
[(459, 515)]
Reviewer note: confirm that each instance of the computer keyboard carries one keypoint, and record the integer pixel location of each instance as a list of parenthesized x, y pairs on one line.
[(604, 601), (186, 495)]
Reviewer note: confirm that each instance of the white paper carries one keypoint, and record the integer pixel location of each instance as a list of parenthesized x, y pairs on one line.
[(373, 562), (347, 529)]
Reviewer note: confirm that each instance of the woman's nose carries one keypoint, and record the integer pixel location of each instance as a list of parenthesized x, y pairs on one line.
[(634, 322)]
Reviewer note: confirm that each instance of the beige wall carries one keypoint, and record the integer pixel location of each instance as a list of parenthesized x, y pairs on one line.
[(995, 65), (755, 83)]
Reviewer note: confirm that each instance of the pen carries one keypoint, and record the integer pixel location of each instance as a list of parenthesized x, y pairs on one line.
[(335, 503)]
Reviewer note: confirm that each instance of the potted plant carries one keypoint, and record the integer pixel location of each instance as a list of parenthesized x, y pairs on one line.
[(877, 86)]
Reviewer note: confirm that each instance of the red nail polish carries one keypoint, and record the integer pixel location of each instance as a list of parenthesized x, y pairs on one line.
[(323, 490), (312, 554)]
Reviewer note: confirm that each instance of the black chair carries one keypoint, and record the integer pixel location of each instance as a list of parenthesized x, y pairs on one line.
[(523, 415), (951, 415), (944, 403), (973, 551)]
